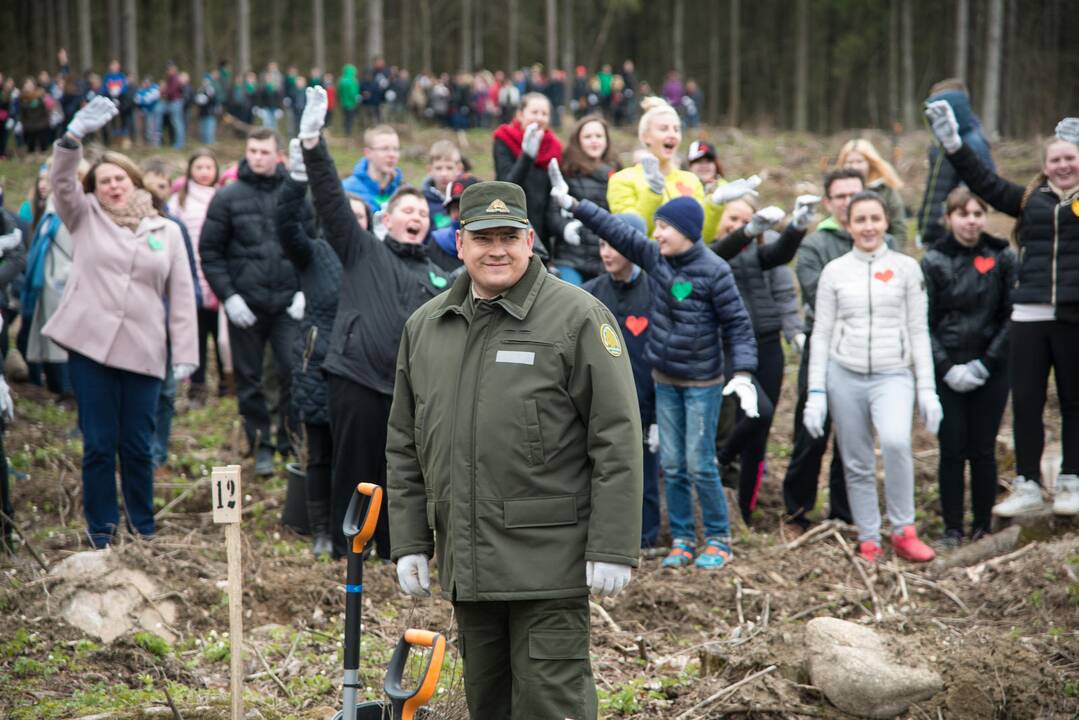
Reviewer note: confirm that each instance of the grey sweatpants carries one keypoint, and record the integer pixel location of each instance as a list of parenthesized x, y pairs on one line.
[(860, 404)]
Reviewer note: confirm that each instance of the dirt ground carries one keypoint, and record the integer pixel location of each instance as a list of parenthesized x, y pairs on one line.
[(1003, 634)]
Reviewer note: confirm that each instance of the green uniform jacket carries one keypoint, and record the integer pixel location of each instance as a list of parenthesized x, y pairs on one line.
[(513, 446)]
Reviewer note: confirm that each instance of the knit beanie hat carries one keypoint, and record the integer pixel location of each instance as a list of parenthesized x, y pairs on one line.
[(684, 214)]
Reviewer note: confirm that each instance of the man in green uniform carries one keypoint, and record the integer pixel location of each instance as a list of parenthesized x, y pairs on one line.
[(513, 457)]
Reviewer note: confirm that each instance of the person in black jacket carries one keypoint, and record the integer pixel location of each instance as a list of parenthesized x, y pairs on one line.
[(623, 288), (246, 267), (382, 283), (588, 161), (15, 236), (968, 278), (320, 282), (1045, 315)]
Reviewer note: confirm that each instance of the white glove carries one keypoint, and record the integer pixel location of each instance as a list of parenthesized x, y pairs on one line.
[(815, 413), (299, 304), (800, 343), (296, 168), (7, 405), (652, 175), (653, 438), (532, 139), (930, 409), (183, 371), (606, 579), (944, 125), (572, 233), (412, 575), (763, 219), (736, 189), (1068, 129), (94, 116), (959, 379), (742, 384), (10, 241), (978, 371), (559, 188), (314, 113), (805, 208), (238, 312)]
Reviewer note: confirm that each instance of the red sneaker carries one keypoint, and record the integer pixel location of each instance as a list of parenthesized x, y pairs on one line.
[(907, 546), (870, 550)]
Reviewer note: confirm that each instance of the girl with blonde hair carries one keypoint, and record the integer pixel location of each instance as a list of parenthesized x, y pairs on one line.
[(881, 178)]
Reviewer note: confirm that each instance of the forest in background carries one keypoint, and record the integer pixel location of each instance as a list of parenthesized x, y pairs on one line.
[(815, 65)]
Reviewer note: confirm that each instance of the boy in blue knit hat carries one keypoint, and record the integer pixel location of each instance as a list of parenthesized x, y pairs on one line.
[(697, 316)]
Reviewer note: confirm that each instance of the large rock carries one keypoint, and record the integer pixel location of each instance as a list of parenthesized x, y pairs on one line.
[(106, 599), (855, 670)]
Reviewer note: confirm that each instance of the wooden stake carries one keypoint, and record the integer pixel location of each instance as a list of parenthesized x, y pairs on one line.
[(226, 499)]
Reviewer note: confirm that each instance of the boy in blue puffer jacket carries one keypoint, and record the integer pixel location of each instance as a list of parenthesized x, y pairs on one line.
[(697, 316)]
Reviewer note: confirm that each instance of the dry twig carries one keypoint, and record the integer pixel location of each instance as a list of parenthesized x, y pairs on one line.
[(727, 691), (877, 614)]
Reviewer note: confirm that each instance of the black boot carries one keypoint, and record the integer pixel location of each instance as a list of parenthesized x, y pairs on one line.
[(318, 514)]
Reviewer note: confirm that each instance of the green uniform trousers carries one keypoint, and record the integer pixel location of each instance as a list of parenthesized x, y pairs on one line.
[(527, 659)]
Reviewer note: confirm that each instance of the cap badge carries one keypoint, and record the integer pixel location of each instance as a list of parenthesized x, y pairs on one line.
[(497, 206)]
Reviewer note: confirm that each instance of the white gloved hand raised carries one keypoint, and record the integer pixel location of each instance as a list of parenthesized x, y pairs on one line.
[(238, 312), (944, 125), (297, 170), (94, 116), (652, 175), (559, 187), (742, 384), (763, 219), (314, 113), (805, 208), (572, 233), (653, 438), (183, 371), (736, 189), (1068, 129), (533, 137), (815, 413), (413, 575), (931, 411), (606, 579), (296, 309)]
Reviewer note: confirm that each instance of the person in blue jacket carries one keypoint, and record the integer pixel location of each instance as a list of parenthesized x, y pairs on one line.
[(376, 176)]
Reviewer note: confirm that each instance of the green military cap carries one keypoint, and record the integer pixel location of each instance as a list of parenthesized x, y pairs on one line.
[(493, 204)]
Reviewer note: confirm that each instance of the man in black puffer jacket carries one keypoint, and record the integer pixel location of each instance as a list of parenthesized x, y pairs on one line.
[(244, 264)]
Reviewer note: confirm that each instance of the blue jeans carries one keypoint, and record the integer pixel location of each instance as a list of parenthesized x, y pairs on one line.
[(151, 122), (570, 275), (166, 408), (207, 129), (650, 508), (175, 110), (687, 418), (116, 414)]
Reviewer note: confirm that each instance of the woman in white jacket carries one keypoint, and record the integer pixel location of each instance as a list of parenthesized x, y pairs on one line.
[(870, 356)]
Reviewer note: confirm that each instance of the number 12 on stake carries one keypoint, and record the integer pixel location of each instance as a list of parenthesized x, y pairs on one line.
[(225, 494)]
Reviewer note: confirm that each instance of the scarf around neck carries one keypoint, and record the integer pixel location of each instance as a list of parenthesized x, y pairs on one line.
[(129, 216)]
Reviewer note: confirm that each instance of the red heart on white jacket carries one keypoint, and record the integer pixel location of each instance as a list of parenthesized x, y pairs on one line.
[(885, 275)]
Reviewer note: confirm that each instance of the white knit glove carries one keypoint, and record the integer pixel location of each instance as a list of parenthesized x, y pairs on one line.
[(606, 579), (533, 137), (805, 209), (815, 413), (652, 175), (944, 125), (763, 219), (94, 116), (931, 411), (413, 575), (183, 371), (742, 385), (979, 371), (238, 312), (10, 241), (800, 342), (736, 189), (314, 113), (296, 309), (960, 379), (653, 438), (559, 188), (572, 233), (1068, 129), (7, 405), (297, 170)]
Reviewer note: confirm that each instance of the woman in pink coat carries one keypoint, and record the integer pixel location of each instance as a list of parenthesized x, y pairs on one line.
[(129, 294)]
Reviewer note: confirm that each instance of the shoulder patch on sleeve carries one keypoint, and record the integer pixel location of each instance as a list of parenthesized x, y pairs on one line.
[(609, 337)]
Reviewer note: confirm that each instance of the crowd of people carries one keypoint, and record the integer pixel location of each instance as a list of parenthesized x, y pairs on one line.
[(124, 279)]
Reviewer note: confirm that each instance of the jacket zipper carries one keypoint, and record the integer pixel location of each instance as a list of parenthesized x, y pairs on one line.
[(869, 343), (1056, 239), (475, 402)]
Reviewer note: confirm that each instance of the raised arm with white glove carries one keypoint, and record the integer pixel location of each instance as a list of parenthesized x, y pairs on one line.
[(652, 175), (533, 137), (763, 219), (91, 118), (297, 170), (805, 209), (736, 189), (559, 187), (944, 125), (314, 114)]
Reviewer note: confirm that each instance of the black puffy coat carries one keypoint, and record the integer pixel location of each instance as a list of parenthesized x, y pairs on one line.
[(970, 303), (583, 258), (697, 313), (1047, 234), (382, 284), (239, 248), (13, 263), (320, 280)]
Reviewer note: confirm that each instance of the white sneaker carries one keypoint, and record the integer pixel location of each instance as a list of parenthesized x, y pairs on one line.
[(1025, 497), (1067, 495)]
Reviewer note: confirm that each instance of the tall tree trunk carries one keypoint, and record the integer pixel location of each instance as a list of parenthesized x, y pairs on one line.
[(962, 49), (64, 30), (907, 24), (348, 32), (734, 99), (198, 27), (993, 47), (425, 28), (243, 37), (678, 45), (131, 38), (86, 46), (51, 43), (375, 30), (801, 67), (894, 105), (466, 35), (601, 36), (569, 50), (275, 29), (113, 10), (511, 47), (713, 63), (319, 33), (552, 33), (477, 35)]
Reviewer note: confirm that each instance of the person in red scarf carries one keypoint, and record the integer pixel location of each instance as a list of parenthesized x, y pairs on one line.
[(522, 150)]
